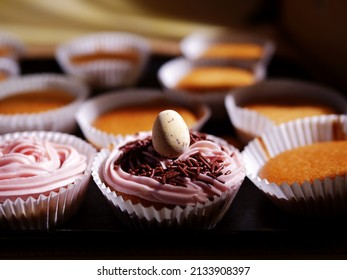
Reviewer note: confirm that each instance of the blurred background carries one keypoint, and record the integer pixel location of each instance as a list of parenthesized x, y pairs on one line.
[(310, 32)]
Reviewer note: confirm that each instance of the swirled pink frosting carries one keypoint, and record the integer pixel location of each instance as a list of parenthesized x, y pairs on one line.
[(184, 189), (31, 166)]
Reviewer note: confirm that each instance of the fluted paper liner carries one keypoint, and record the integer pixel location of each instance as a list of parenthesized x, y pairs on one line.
[(104, 73), (61, 119), (320, 198), (9, 67), (250, 124), (96, 106), (137, 216), (171, 72), (48, 211), (194, 45)]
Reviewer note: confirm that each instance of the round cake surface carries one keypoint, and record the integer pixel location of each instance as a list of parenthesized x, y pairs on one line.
[(316, 161), (281, 111), (126, 55), (30, 166), (3, 75), (234, 50), (5, 51), (34, 101), (131, 119), (215, 79), (208, 168)]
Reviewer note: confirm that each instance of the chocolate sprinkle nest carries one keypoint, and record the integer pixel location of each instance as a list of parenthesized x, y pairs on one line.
[(139, 158)]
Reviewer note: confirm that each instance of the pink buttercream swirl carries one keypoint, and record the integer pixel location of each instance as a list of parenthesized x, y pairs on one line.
[(220, 170), (31, 166)]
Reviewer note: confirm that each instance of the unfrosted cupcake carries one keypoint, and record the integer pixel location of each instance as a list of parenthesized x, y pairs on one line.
[(40, 102), (10, 46), (301, 165), (44, 176), (107, 59), (207, 82), (241, 49), (255, 109), (109, 117), (170, 177)]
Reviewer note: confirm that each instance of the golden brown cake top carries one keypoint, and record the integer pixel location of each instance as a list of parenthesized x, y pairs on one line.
[(126, 55), (5, 51), (280, 111), (234, 51), (34, 101), (215, 78), (307, 163), (135, 118), (3, 76)]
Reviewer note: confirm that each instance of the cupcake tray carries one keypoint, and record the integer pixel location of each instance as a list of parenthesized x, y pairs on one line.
[(252, 228)]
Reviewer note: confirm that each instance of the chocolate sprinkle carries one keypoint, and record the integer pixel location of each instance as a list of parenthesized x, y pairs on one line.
[(139, 158)]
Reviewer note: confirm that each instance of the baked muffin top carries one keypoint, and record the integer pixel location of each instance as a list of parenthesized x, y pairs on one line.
[(307, 163), (3, 76), (126, 55), (135, 118), (280, 111), (234, 51), (206, 78), (35, 101)]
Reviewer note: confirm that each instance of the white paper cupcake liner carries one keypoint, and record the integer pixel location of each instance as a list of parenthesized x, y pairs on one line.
[(193, 46), (96, 106), (322, 197), (16, 46), (9, 67), (61, 119), (103, 73), (249, 123), (171, 72), (137, 216), (48, 211)]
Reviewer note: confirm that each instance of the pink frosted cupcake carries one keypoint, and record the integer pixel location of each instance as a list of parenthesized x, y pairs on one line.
[(149, 185), (43, 178)]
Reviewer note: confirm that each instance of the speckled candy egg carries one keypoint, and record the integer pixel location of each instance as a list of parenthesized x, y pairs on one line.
[(170, 134)]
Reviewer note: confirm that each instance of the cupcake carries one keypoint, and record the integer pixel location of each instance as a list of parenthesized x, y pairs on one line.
[(104, 60), (111, 116), (240, 49), (170, 177), (44, 176), (40, 102), (10, 46), (255, 109), (207, 82), (8, 69), (301, 165)]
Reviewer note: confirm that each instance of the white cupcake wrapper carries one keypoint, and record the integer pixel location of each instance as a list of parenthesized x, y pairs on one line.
[(96, 106), (320, 198), (193, 46), (61, 119), (9, 67), (48, 211), (171, 72), (105, 74), (9, 40), (137, 216), (249, 124)]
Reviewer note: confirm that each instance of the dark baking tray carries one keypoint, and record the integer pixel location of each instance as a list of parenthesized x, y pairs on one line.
[(253, 228)]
